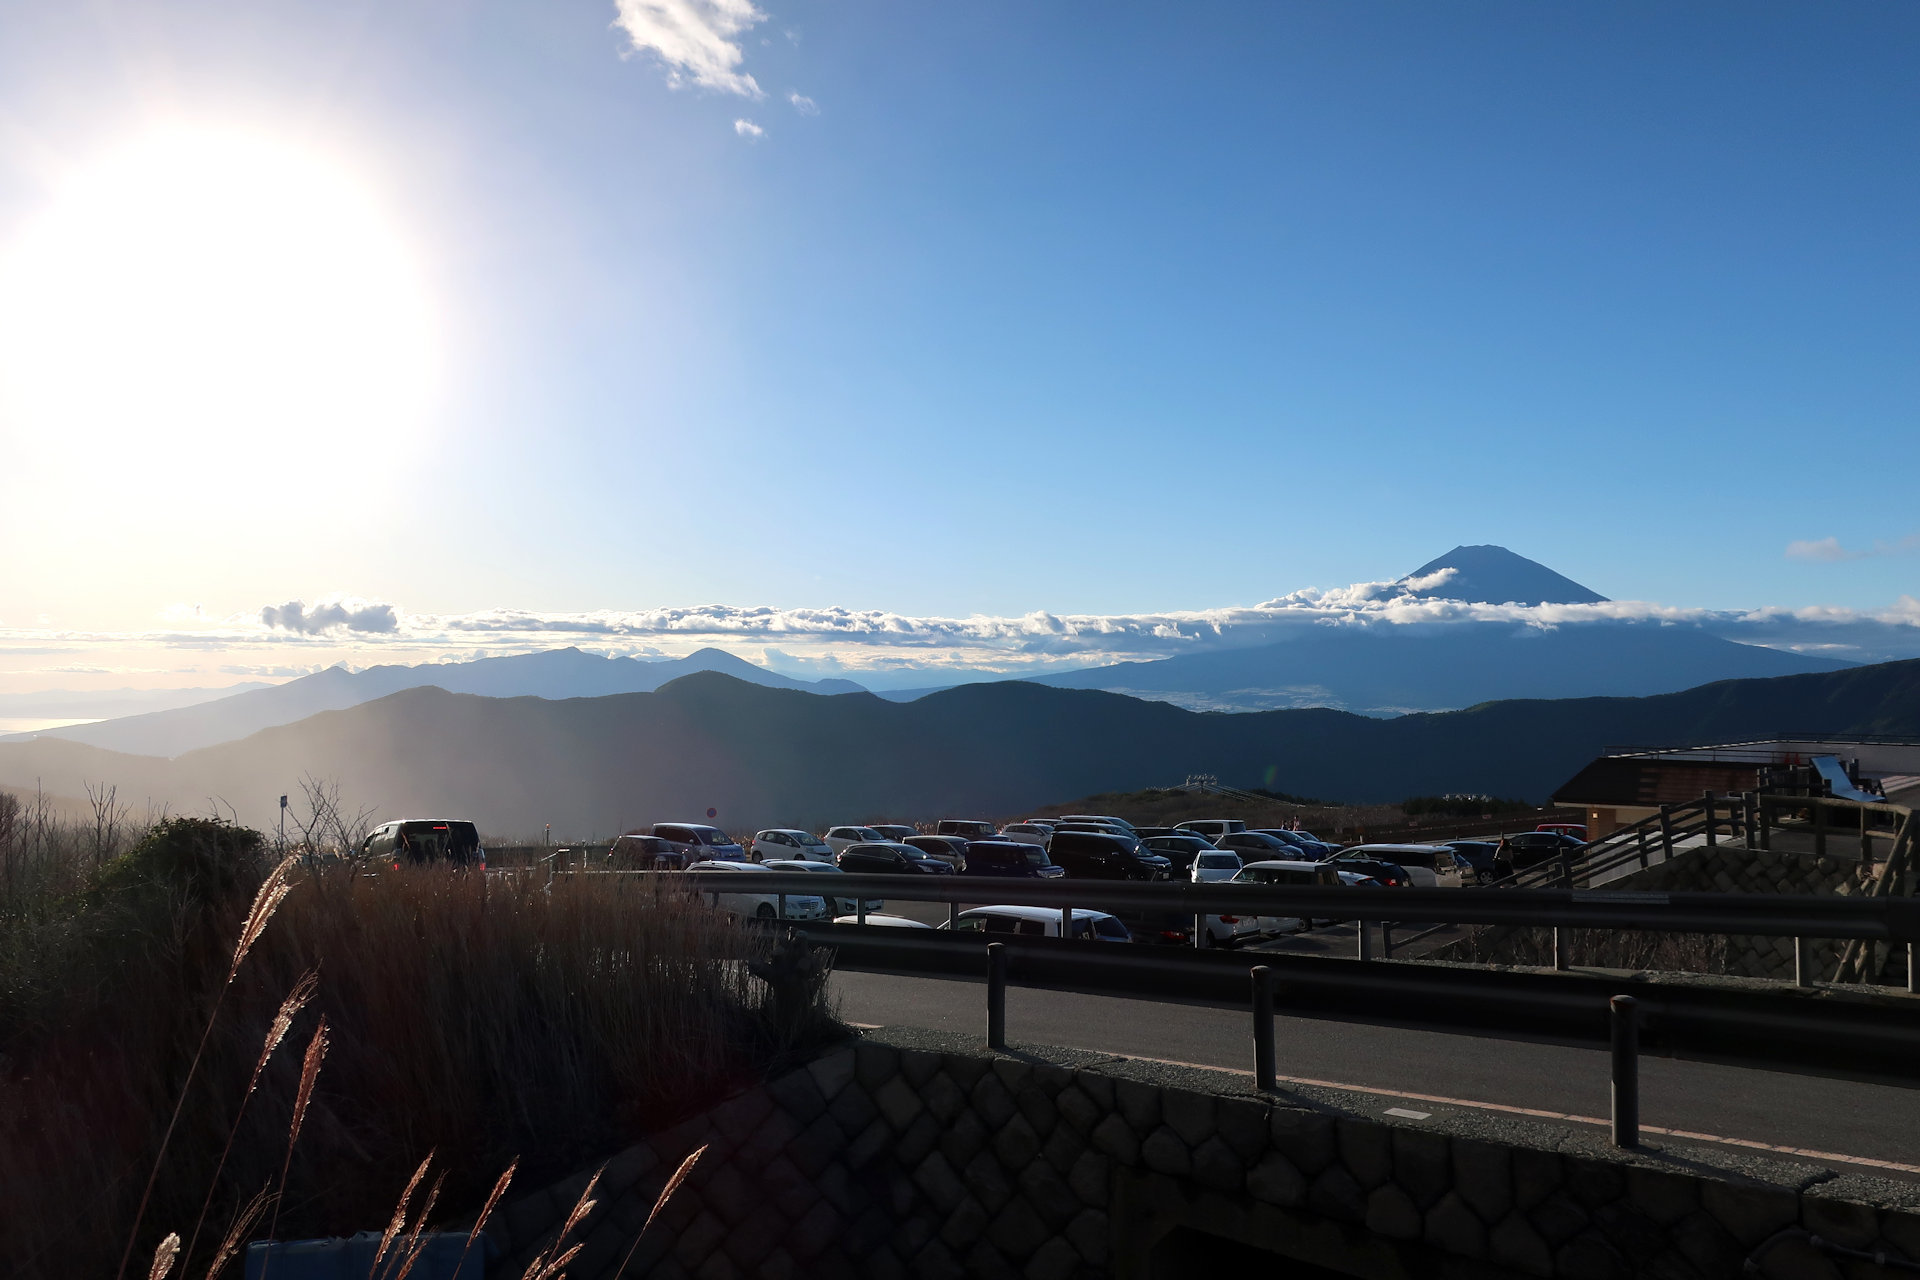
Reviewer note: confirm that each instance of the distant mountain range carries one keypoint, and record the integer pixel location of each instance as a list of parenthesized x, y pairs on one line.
[(556, 673), (761, 755), (1381, 669), (1392, 669)]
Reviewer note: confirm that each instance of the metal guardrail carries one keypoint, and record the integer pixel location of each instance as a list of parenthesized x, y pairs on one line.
[(1877, 919)]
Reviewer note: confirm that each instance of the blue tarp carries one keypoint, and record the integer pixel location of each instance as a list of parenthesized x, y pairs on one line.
[(1838, 783)]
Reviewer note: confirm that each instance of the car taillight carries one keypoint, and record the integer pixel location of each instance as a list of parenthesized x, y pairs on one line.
[(1229, 919), (1172, 935)]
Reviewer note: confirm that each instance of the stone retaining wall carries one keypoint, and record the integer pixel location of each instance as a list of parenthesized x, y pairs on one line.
[(910, 1153)]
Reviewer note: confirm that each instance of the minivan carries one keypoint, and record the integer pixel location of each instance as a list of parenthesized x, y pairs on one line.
[(698, 840), (965, 828), (1008, 858), (419, 841), (1093, 856)]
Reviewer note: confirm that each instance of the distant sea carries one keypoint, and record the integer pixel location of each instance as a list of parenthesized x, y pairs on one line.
[(36, 724)]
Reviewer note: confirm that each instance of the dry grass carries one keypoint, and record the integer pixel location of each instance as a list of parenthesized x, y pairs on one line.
[(488, 1018), (1593, 948)]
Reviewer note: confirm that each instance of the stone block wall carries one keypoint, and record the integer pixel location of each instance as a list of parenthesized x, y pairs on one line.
[(913, 1154)]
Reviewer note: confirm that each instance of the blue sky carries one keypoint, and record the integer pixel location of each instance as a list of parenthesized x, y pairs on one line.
[(1084, 309)]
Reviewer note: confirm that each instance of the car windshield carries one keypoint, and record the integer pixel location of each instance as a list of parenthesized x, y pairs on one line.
[(807, 840), (1108, 927), (1215, 861), (1036, 856)]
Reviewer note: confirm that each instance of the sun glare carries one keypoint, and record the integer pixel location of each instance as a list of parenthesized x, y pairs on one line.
[(215, 304)]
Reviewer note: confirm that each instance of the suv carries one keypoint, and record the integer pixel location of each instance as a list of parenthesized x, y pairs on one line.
[(965, 828), (698, 840), (888, 859), (1530, 848), (951, 850), (1092, 855), (418, 841), (1212, 828), (637, 852), (1180, 850), (1008, 858)]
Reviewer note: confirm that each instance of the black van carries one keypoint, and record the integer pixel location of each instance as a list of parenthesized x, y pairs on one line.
[(1008, 858), (1090, 855), (419, 841)]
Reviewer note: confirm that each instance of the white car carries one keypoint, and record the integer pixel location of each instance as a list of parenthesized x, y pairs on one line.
[(762, 906), (1105, 819), (1428, 866), (839, 838), (885, 922), (1041, 922), (1210, 868), (841, 906), (1028, 833), (789, 843), (1289, 872)]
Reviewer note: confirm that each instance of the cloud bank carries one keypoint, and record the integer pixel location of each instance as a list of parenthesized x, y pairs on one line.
[(1829, 551), (697, 40), (341, 614)]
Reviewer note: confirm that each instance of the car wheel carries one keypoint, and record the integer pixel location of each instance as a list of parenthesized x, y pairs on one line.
[(764, 911)]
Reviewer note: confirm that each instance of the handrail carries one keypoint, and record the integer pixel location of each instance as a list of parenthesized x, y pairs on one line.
[(1881, 919)]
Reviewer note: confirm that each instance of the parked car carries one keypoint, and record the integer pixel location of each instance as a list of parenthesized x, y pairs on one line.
[(1483, 856), (636, 851), (1094, 855), (1107, 818), (884, 858), (1308, 844), (1028, 832), (1253, 846), (1578, 830), (951, 850), (884, 922), (1094, 825), (894, 831), (1144, 832), (1211, 828), (423, 841), (1388, 874), (1356, 879), (1428, 866), (1009, 858), (1179, 850), (698, 840), (840, 838), (1041, 922), (789, 842), (965, 828), (839, 906), (1530, 848), (762, 906), (1288, 871), (1216, 865)]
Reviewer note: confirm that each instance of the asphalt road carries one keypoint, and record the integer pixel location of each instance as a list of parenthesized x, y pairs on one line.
[(1863, 1120)]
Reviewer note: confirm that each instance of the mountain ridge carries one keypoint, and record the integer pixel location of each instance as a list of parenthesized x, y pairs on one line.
[(761, 755)]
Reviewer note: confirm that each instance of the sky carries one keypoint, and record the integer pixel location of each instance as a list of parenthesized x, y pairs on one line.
[(465, 326)]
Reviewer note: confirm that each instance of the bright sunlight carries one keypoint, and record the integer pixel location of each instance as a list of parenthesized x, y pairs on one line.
[(210, 304)]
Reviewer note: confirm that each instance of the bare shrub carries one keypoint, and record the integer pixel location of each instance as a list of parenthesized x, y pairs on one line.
[(486, 1017), (1594, 949)]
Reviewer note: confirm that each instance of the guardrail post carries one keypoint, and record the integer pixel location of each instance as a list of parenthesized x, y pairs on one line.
[(1263, 1028), (953, 915), (1365, 950), (996, 995), (860, 909), (1666, 832), (1199, 931), (1626, 1071), (1561, 947), (1712, 807), (1066, 922), (783, 906), (1643, 848), (1386, 941), (1801, 962), (1913, 968)]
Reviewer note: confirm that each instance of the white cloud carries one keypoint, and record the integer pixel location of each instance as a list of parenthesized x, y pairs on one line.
[(336, 614), (1822, 549), (1829, 550), (803, 104), (749, 130), (696, 39)]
